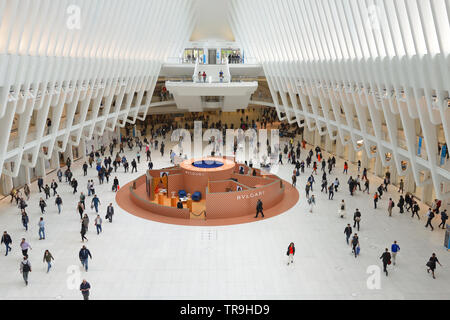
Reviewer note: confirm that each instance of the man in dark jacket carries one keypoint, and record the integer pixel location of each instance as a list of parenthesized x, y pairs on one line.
[(84, 288), (444, 218), (85, 167), (348, 232), (430, 216), (6, 239), (40, 183), (386, 257), (109, 212), (84, 254), (259, 208)]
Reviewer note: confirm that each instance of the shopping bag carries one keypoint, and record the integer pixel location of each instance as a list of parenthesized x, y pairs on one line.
[(358, 250)]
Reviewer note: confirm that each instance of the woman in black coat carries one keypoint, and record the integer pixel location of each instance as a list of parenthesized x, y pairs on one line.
[(290, 253)]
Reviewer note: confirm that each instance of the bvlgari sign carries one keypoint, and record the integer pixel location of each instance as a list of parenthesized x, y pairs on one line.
[(250, 195)]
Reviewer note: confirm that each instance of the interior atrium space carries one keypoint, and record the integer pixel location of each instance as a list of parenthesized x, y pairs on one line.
[(222, 150)]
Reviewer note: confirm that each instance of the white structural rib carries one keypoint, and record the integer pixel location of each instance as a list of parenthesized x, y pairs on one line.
[(350, 65), (85, 64)]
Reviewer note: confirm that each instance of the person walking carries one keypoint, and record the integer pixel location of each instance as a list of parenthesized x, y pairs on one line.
[(83, 232), (6, 239), (41, 225), (290, 253), (431, 264), (25, 268), (259, 208), (59, 174), (356, 218), (42, 205), (40, 183), (25, 246), (26, 190), (386, 258), (58, 203), (400, 186), (330, 192), (444, 218), (54, 186), (355, 245), (430, 215), (415, 210), (48, 258), (98, 224), (80, 208), (294, 180), (25, 220), (395, 248), (95, 203), (390, 206), (341, 210), (348, 232), (109, 212), (47, 191), (85, 221), (336, 185), (74, 185), (366, 186), (312, 203), (84, 288), (375, 200), (401, 203), (84, 255)]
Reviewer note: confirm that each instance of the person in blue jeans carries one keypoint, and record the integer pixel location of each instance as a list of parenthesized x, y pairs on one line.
[(98, 224), (25, 219), (95, 202), (58, 202), (41, 225), (48, 258), (394, 249), (84, 255), (6, 239)]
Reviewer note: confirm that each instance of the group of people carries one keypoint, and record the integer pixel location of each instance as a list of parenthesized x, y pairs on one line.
[(352, 239)]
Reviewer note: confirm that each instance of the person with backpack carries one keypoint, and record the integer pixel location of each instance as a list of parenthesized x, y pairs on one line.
[(395, 248), (84, 255), (6, 239), (48, 258), (25, 268), (290, 253), (391, 205), (430, 215), (356, 218), (386, 257), (431, 264), (444, 218), (348, 232)]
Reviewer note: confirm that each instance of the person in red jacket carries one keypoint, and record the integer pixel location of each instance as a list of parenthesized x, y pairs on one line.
[(290, 253)]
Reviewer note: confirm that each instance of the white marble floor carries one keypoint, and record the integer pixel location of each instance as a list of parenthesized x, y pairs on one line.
[(138, 259)]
